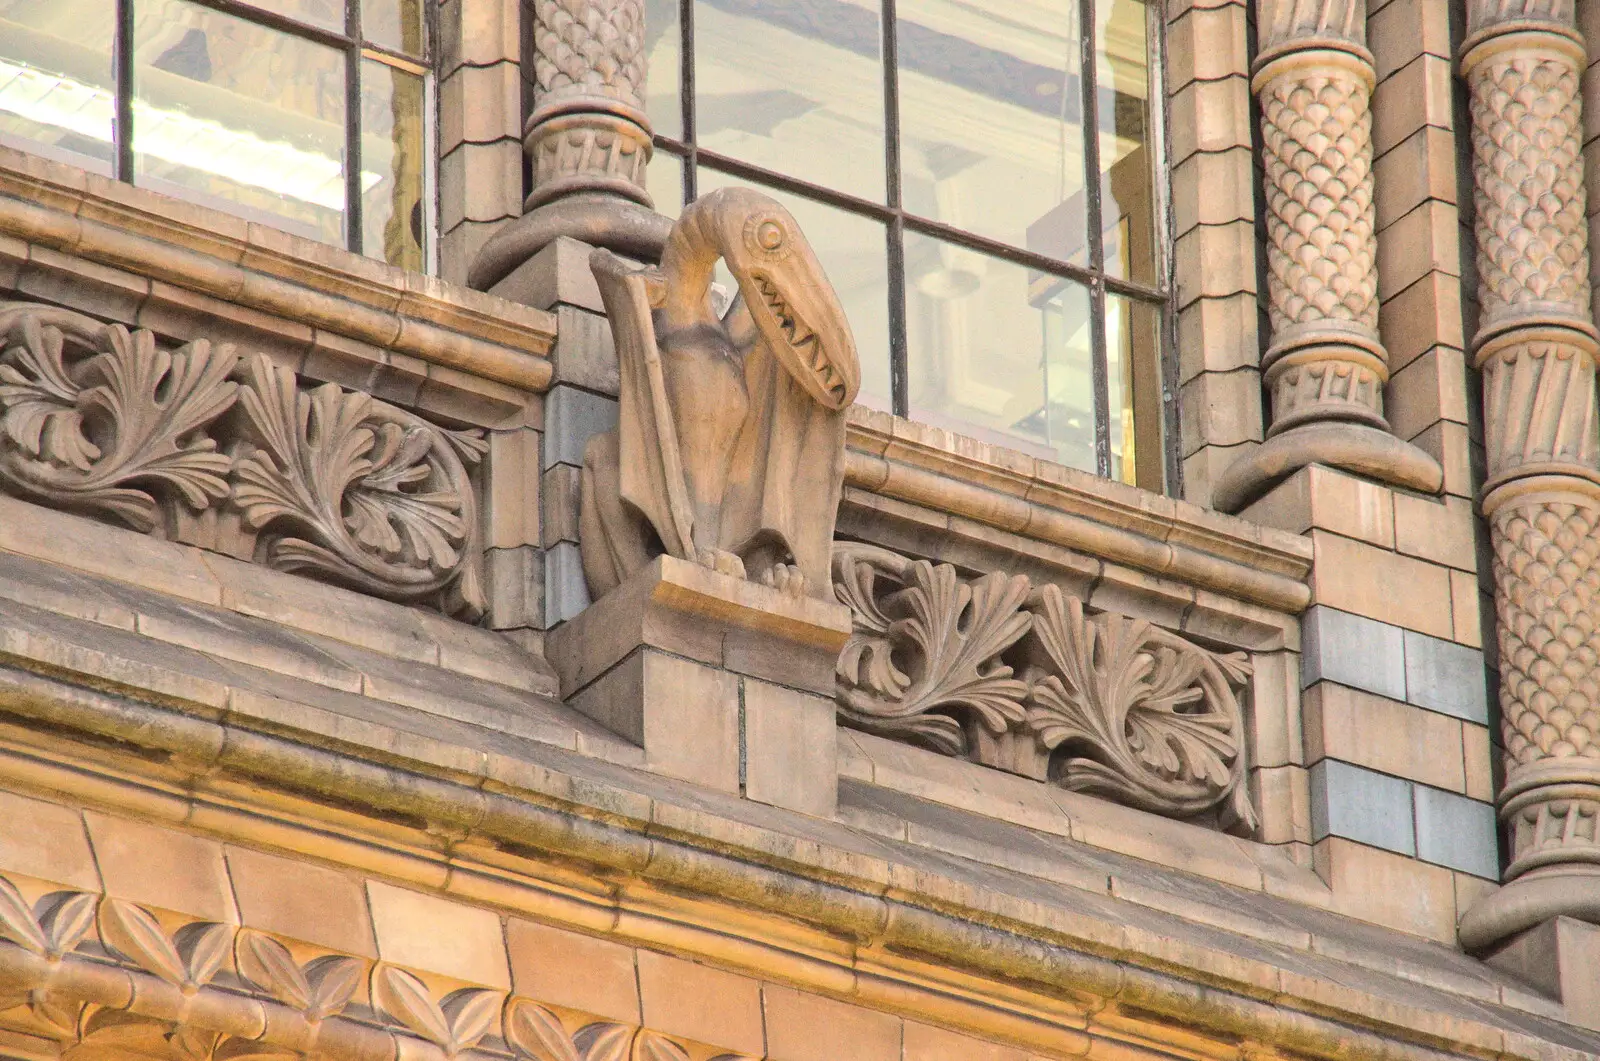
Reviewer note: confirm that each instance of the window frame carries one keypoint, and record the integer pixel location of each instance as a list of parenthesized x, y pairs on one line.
[(356, 50), (897, 221)]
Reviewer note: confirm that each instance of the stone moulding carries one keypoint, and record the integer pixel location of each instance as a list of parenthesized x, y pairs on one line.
[(956, 477), (213, 255), (1021, 679), (163, 994), (203, 446), (895, 946)]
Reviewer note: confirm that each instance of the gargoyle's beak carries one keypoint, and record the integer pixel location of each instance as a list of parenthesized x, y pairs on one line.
[(799, 315)]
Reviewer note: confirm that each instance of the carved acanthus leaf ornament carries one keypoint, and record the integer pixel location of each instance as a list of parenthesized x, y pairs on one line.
[(200, 445), (1025, 679)]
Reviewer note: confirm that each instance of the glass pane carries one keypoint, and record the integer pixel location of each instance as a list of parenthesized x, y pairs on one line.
[(327, 14), (663, 49), (393, 24), (999, 352), (57, 91), (1126, 198), (991, 132), (794, 86), (239, 116), (664, 181), (393, 165), (854, 253), (1133, 363)]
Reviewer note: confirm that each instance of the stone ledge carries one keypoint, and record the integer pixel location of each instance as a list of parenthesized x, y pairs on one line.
[(212, 253), (1040, 501), (793, 890)]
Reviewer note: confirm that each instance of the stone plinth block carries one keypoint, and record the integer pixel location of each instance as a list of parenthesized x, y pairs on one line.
[(1561, 957), (723, 682)]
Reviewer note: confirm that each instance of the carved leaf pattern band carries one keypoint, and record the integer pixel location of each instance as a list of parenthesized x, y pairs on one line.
[(237, 455), (1025, 679), (277, 1003)]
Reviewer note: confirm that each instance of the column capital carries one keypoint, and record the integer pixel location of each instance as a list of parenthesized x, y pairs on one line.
[(1298, 25)]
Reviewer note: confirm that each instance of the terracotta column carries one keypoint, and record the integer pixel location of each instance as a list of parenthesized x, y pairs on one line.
[(1325, 369), (1536, 346), (587, 140)]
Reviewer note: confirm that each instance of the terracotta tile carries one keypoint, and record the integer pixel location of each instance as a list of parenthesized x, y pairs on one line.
[(1389, 890), (1384, 735), (439, 936), (301, 900), (569, 969), (805, 1027), (1359, 578), (46, 840), (163, 868), (926, 1043), (702, 1003)]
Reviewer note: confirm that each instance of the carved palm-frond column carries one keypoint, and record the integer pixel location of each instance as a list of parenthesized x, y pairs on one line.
[(587, 140), (1536, 348), (1326, 368)]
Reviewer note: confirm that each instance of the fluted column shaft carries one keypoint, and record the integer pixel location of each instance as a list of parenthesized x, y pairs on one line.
[(1536, 347), (587, 140), (1326, 368)]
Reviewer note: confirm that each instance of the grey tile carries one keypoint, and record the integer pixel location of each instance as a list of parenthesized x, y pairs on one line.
[(1456, 831), (566, 592), (571, 418), (1361, 805), (1446, 677), (1354, 651)]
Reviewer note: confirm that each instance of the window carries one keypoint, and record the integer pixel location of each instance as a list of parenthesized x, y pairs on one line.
[(979, 178), (253, 107)]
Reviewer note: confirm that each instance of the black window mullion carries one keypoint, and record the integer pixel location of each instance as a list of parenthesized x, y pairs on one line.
[(899, 369), (352, 128), (1097, 263), (122, 63), (691, 157)]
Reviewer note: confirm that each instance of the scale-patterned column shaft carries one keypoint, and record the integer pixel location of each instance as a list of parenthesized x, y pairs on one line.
[(588, 131), (1314, 82), (1536, 348)]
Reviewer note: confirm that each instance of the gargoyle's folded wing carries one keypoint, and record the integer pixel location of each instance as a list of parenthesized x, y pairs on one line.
[(651, 464)]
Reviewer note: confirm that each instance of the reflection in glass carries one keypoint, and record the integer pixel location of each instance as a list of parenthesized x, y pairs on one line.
[(1122, 68), (57, 91), (326, 14), (999, 352), (393, 150), (240, 116), (1133, 371), (795, 87), (664, 182), (393, 24), (854, 256), (991, 106), (663, 49)]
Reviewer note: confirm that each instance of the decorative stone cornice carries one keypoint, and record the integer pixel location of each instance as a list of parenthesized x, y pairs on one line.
[(211, 256), (205, 446), (1326, 368), (660, 874), (1536, 346), (945, 473), (1022, 679)]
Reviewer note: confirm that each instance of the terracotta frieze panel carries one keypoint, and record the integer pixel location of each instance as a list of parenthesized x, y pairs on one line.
[(1023, 678), (80, 968), (205, 445)]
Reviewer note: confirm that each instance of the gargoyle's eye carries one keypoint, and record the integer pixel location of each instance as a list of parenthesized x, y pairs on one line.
[(769, 235)]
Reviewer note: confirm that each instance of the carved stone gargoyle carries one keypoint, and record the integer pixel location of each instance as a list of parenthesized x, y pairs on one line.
[(730, 447)]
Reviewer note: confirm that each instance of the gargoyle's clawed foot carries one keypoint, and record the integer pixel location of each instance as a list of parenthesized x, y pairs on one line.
[(786, 579), (720, 561)]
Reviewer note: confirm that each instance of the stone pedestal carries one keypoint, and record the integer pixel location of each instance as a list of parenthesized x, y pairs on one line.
[(723, 682), (1560, 957)]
